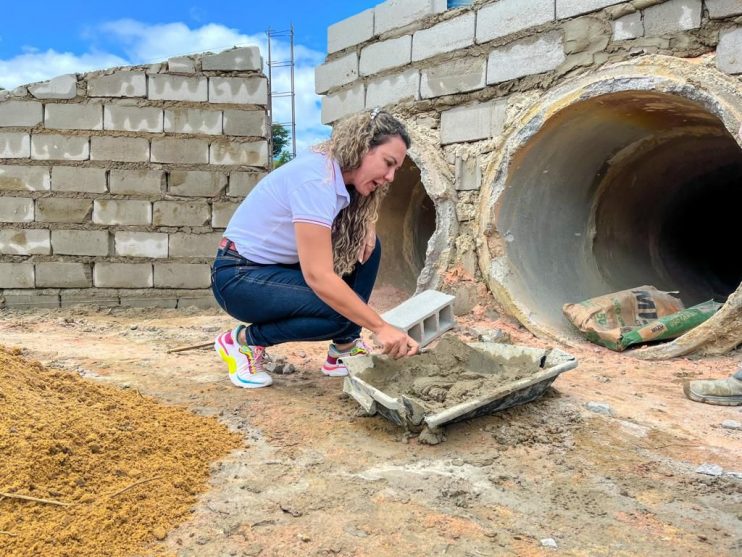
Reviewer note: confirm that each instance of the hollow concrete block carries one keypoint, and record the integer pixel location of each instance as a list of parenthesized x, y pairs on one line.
[(350, 31), (424, 317)]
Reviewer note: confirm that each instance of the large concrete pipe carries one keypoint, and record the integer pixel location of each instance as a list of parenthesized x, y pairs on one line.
[(417, 222), (629, 176)]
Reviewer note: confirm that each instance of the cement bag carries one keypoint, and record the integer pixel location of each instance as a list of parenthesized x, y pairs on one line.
[(672, 325), (606, 319)]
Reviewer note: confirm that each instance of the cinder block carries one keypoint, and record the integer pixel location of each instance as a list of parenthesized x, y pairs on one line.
[(24, 178), (194, 245), (124, 149), (136, 182), (336, 73), (456, 76), (424, 317), (242, 183), (723, 8), (141, 244), (15, 145), (25, 242), (570, 8), (149, 298), (182, 275), (63, 275), (18, 275), (132, 118), (246, 123), (350, 31), (20, 113), (343, 103), (510, 16), (59, 147), (61, 87), (176, 88), (122, 211), (80, 242), (384, 55), (183, 151), (75, 178), (628, 27), (191, 120), (29, 298), (73, 116), (122, 275), (181, 213), (119, 84), (393, 14), (525, 57), (672, 16), (254, 153), (98, 297), (16, 209), (181, 64), (238, 90), (468, 173), (196, 183), (394, 88), (237, 59), (447, 36), (473, 122), (191, 300), (729, 51), (222, 212), (63, 210)]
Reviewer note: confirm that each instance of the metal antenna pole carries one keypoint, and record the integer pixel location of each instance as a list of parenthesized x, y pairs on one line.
[(293, 98), (270, 103), (291, 94)]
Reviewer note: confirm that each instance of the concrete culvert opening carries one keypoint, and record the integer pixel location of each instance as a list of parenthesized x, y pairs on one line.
[(407, 220), (620, 190)]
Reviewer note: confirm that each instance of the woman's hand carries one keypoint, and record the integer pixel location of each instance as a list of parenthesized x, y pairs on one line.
[(369, 243), (396, 343)]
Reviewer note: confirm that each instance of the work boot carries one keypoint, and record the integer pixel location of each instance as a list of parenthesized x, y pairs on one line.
[(245, 362), (722, 392), (334, 366)]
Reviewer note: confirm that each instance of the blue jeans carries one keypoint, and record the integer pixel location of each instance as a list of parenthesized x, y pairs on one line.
[(279, 304)]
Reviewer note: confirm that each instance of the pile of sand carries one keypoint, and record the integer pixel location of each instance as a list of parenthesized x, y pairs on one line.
[(127, 468)]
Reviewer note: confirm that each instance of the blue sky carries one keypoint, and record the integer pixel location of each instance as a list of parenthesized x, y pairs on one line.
[(40, 40)]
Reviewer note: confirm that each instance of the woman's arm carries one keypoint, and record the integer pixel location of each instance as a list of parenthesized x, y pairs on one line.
[(314, 244)]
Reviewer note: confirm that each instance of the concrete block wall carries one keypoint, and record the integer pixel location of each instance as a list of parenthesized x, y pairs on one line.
[(461, 74), (116, 185), (418, 49)]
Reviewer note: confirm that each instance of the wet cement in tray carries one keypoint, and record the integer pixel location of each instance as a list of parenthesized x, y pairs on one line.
[(448, 374)]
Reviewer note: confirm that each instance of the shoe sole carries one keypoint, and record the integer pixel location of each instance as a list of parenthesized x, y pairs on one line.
[(715, 400), (339, 371), (232, 367)]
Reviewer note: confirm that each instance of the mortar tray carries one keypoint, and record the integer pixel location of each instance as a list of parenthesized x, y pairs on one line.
[(414, 414)]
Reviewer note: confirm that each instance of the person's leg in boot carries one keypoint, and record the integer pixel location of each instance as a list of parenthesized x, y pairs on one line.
[(722, 392)]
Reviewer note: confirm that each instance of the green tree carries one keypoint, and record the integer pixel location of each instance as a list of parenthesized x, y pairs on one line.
[(280, 140), (282, 159)]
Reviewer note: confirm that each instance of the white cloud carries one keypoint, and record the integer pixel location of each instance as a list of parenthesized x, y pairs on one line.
[(33, 66), (144, 43)]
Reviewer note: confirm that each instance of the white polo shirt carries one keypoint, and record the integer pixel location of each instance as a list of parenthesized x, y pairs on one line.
[(307, 189)]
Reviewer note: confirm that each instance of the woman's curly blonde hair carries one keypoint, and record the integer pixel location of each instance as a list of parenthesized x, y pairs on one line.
[(351, 139)]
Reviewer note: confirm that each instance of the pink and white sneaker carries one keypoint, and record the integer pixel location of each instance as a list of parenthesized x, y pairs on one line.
[(334, 366), (245, 362)]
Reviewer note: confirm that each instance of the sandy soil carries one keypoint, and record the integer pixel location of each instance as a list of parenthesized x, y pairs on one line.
[(316, 478)]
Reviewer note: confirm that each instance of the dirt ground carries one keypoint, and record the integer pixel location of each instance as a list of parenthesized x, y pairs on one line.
[(316, 478)]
